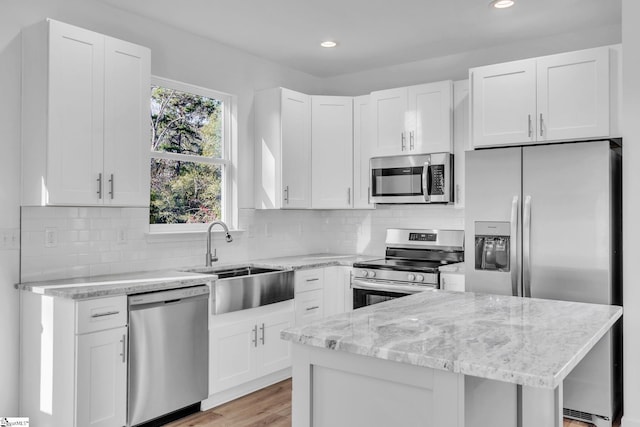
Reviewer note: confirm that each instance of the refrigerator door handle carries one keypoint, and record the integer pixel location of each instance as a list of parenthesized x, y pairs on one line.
[(526, 247), (515, 290)]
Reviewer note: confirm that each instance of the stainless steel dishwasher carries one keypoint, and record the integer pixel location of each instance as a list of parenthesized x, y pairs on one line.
[(168, 352)]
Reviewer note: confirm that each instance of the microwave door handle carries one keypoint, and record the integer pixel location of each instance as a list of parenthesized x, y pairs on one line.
[(426, 180), (515, 289)]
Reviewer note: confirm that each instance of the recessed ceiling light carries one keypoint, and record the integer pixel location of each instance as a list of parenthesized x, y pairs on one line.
[(502, 4), (328, 44)]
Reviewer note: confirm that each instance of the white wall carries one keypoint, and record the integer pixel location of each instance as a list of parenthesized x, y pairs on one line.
[(631, 209)]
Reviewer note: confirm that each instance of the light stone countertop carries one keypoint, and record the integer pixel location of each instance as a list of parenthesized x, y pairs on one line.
[(525, 341), (137, 282)]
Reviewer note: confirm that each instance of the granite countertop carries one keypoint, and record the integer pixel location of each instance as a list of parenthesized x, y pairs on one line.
[(526, 341), (457, 268), (137, 282)]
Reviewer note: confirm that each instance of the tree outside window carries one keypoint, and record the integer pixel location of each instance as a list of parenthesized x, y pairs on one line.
[(189, 155)]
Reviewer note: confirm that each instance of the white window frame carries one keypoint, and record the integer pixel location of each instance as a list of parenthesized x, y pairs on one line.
[(228, 161)]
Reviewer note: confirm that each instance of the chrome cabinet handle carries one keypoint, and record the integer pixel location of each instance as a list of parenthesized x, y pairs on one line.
[(403, 144), (124, 348), (255, 336), (315, 279), (349, 196), (369, 195), (411, 140), (315, 307), (286, 194), (530, 128), (99, 180), (111, 186), (262, 336), (541, 125), (515, 289), (106, 313), (526, 248)]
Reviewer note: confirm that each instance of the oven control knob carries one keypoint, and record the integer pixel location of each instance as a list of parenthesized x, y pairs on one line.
[(364, 273), (411, 277), (372, 274), (419, 278)]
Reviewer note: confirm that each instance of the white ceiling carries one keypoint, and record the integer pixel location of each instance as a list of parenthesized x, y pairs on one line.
[(370, 33)]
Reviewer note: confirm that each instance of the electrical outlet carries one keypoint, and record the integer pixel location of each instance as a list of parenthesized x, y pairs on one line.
[(50, 237)]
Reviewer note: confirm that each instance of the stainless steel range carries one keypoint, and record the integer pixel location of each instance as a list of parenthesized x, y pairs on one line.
[(410, 265)]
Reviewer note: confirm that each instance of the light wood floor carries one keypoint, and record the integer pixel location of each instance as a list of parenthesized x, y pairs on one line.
[(270, 406)]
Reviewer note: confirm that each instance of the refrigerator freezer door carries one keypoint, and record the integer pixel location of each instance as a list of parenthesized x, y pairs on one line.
[(569, 240), (570, 250), (492, 182)]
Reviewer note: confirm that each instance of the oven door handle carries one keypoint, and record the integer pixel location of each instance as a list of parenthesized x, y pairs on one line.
[(377, 286)]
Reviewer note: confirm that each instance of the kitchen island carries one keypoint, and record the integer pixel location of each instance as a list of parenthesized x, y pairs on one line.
[(442, 358)]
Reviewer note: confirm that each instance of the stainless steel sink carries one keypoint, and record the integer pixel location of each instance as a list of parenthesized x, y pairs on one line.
[(245, 287)]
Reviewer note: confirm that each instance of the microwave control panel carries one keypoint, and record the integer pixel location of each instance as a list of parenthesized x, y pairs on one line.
[(437, 180)]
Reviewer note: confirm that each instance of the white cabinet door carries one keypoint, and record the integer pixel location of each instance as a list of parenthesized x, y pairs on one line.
[(389, 121), (275, 352), (309, 306), (101, 378), (573, 95), (232, 349), (334, 291), (332, 152), (126, 128), (504, 103), (296, 149), (429, 116), (460, 137), (362, 148), (75, 115)]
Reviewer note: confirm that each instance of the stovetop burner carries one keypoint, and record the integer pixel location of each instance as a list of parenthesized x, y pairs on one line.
[(402, 265)]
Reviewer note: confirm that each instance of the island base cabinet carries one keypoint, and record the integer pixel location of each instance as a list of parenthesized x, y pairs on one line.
[(337, 388), (341, 389), (102, 368), (245, 345)]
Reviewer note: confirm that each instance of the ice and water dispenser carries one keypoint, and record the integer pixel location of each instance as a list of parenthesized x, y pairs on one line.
[(492, 240)]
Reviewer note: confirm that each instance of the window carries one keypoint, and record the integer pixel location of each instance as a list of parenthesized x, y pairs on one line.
[(190, 156)]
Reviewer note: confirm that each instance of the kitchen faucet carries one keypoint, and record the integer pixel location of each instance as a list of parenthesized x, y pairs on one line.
[(213, 258)]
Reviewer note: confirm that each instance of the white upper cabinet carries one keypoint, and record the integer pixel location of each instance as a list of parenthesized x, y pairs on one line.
[(410, 120), (126, 135), (557, 97), (332, 152), (362, 147), (504, 103), (573, 95), (282, 149), (85, 118)]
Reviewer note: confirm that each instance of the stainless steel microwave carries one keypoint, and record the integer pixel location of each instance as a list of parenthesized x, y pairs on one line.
[(421, 178)]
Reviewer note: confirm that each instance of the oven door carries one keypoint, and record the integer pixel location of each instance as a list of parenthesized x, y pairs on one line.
[(368, 292)]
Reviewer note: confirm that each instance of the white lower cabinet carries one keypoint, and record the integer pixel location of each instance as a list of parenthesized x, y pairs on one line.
[(452, 282), (322, 292), (246, 345), (101, 371), (73, 361)]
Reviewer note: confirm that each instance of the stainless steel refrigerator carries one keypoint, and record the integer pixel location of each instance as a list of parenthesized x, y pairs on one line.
[(545, 222)]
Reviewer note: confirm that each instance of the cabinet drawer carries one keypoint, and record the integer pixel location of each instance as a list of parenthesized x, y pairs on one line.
[(308, 306), (101, 313), (308, 280)]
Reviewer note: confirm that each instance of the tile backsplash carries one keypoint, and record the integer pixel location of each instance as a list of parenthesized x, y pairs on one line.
[(63, 242)]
